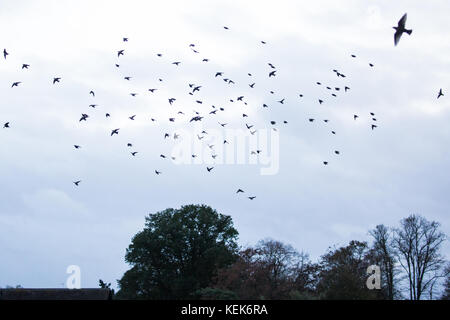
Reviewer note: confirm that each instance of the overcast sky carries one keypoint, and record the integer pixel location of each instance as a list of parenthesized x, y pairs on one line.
[(379, 177)]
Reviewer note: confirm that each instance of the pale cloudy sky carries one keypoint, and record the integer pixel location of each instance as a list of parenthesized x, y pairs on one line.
[(381, 176)]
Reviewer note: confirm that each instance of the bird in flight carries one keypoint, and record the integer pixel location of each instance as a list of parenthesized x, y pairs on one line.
[(440, 94), (76, 146), (272, 74), (56, 80), (240, 190), (134, 153), (77, 182), (209, 169), (6, 125), (157, 172), (25, 66), (16, 84), (5, 53), (84, 116), (251, 198), (400, 29), (132, 117), (120, 53), (92, 92), (115, 131)]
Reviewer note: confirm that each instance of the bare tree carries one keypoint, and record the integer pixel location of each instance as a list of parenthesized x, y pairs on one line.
[(417, 247), (384, 257)]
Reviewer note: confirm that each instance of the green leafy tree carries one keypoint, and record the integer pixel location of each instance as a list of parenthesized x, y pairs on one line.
[(178, 253), (343, 273)]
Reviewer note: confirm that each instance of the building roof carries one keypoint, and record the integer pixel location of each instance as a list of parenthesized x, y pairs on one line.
[(56, 294)]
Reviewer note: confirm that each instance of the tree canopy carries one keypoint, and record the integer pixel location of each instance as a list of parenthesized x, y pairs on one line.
[(178, 253)]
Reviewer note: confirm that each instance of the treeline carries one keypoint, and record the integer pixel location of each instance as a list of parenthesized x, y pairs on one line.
[(192, 253)]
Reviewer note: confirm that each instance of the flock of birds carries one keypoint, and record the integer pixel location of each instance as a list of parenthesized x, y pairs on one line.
[(198, 116)]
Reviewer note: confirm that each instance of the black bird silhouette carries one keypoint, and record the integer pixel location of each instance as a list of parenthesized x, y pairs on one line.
[(176, 63), (93, 105), (166, 135), (371, 64), (251, 198), (132, 117), (171, 100), (219, 74), (337, 152), (125, 39), (133, 94), (129, 144), (272, 122), (355, 116), (127, 78), (346, 89), (353, 56), (272, 74), (281, 101), (226, 28), (77, 182), (374, 126), (325, 162), (400, 28), (6, 125), (311, 119), (56, 80), (265, 105), (16, 84), (271, 65), (197, 88), (107, 115), (252, 85), (25, 66), (205, 60), (157, 172), (333, 132), (240, 190), (5, 53), (134, 153), (440, 94), (76, 146), (84, 116), (197, 118), (209, 169), (320, 101), (120, 53), (115, 131), (152, 90), (92, 92)]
